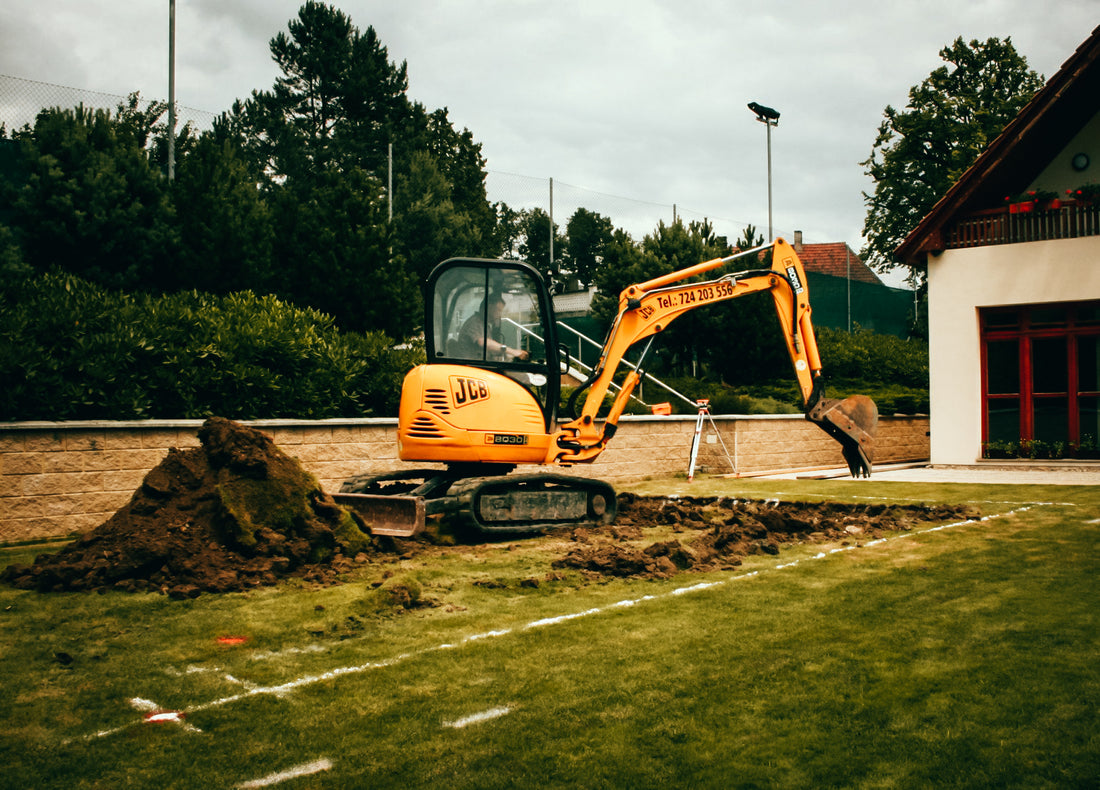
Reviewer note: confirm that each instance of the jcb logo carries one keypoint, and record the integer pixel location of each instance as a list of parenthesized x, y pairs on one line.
[(465, 391)]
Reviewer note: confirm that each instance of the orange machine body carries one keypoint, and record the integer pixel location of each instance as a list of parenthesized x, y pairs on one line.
[(455, 413)]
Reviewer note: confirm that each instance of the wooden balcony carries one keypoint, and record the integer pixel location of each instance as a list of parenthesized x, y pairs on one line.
[(1068, 219)]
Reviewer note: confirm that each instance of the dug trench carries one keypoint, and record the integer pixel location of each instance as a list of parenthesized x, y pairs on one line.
[(237, 513)]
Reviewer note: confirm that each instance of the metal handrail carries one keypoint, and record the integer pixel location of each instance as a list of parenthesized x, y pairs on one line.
[(587, 369), (645, 376)]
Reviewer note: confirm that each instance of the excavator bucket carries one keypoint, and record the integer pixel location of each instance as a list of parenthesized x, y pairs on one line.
[(395, 516), (852, 422)]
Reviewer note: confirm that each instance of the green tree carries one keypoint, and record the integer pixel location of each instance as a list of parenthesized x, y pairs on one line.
[(534, 248), (427, 227), (225, 224), (441, 208), (458, 158), (319, 138), (507, 230), (587, 233), (335, 103), (90, 200), (333, 253), (328, 125), (919, 152)]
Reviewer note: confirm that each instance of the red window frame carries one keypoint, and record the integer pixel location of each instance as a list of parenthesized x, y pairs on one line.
[(1028, 324)]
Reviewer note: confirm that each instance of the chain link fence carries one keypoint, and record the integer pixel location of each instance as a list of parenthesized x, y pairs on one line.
[(21, 100)]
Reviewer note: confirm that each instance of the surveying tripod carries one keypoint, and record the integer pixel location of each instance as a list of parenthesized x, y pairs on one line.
[(703, 404)]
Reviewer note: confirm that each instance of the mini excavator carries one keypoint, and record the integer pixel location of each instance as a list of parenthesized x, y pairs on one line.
[(487, 398)]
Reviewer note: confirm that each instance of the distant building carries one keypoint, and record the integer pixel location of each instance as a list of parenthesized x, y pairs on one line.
[(834, 259), (846, 294)]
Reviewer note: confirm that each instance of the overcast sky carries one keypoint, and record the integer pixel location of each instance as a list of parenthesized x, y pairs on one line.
[(640, 99)]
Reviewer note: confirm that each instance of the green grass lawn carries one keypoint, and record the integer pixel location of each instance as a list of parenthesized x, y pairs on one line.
[(961, 657)]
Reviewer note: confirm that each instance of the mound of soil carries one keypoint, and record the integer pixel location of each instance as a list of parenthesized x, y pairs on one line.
[(723, 531), (234, 513)]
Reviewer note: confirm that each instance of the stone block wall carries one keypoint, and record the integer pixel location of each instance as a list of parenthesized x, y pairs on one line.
[(58, 479)]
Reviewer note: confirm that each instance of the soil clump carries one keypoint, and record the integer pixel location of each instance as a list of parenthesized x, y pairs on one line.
[(720, 532), (229, 515)]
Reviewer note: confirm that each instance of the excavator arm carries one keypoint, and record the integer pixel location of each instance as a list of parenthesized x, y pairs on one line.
[(648, 308)]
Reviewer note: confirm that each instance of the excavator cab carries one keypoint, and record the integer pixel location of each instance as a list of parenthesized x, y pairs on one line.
[(496, 316)]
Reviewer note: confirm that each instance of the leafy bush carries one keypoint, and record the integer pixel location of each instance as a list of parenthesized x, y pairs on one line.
[(72, 350), (723, 398), (869, 357)]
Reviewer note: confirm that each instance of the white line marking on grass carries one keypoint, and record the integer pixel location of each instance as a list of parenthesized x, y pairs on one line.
[(309, 680), (975, 502), (155, 714), (696, 587), (305, 769), (561, 618), (238, 682), (477, 718)]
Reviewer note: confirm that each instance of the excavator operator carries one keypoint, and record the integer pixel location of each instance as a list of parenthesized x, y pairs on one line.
[(483, 339)]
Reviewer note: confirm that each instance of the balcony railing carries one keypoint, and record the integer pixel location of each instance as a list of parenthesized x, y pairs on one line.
[(1069, 220)]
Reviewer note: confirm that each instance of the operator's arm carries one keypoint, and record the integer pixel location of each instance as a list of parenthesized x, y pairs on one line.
[(473, 336)]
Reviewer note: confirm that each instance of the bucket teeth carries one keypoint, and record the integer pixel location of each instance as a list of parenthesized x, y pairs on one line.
[(852, 422)]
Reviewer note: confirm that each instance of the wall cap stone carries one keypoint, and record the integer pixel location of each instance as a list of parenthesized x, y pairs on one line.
[(86, 425)]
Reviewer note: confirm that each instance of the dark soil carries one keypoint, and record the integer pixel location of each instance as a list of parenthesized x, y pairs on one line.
[(237, 513), (232, 514), (719, 532)]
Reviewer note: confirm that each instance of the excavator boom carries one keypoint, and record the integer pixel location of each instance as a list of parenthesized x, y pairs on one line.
[(648, 308)]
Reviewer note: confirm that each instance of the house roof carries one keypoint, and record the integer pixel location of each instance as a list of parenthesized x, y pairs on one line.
[(835, 259), (1021, 152)]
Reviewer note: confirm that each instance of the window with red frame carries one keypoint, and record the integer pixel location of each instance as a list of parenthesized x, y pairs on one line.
[(1041, 373)]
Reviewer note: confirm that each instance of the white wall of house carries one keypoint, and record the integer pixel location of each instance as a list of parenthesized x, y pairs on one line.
[(961, 281)]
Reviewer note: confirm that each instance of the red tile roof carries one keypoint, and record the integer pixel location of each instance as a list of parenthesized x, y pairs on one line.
[(835, 259)]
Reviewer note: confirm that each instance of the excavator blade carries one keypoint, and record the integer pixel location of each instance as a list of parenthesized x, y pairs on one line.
[(852, 422), (395, 516)]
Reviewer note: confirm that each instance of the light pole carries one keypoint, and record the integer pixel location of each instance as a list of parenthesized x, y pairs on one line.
[(770, 118), (171, 90)]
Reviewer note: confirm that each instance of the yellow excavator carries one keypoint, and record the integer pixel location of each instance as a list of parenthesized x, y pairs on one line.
[(487, 398)]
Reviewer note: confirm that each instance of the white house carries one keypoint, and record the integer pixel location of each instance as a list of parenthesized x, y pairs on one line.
[(1014, 287)]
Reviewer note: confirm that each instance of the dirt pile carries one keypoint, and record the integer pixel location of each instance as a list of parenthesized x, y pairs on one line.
[(722, 531), (234, 513)]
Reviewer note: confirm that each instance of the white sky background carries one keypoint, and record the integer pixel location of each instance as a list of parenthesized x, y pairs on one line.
[(643, 99)]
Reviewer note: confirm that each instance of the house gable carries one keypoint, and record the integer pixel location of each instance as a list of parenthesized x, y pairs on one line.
[(1030, 150)]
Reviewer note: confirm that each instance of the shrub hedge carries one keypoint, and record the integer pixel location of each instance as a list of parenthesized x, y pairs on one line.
[(71, 350), (872, 358)]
